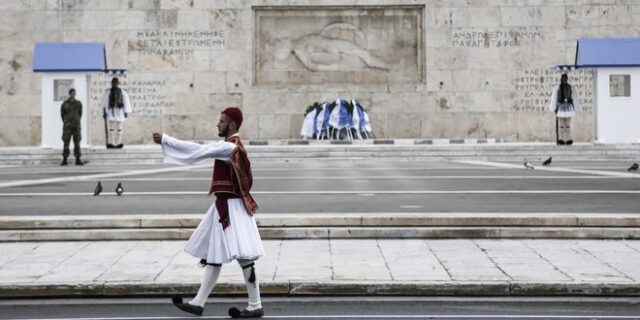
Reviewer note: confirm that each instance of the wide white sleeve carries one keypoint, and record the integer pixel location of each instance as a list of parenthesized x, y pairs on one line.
[(554, 99), (105, 101), (126, 102), (576, 99), (184, 153)]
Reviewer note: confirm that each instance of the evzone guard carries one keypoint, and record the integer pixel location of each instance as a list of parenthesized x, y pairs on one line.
[(228, 231)]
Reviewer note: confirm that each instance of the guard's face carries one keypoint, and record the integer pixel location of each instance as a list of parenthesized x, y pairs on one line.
[(223, 125)]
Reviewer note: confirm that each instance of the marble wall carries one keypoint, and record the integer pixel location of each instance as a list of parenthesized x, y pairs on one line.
[(422, 68)]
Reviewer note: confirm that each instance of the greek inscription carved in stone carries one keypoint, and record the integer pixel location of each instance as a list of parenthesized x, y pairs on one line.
[(176, 42), (534, 87), (496, 38)]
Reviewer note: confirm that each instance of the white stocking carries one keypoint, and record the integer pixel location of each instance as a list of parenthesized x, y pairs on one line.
[(118, 133), (253, 288), (111, 125), (211, 274)]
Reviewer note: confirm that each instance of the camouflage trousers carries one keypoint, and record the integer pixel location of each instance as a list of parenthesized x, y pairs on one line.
[(67, 134)]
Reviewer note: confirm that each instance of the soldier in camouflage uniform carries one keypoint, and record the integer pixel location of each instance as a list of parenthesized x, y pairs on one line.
[(71, 113)]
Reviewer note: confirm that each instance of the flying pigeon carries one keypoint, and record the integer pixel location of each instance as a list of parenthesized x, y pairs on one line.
[(98, 189), (119, 189), (547, 162), (633, 167), (528, 165)]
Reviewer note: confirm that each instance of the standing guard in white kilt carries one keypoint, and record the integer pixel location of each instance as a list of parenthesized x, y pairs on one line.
[(564, 102), (228, 231)]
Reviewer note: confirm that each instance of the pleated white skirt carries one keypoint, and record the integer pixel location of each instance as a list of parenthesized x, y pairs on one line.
[(240, 240), (566, 110)]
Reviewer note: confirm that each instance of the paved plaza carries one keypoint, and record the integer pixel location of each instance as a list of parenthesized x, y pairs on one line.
[(484, 267), (332, 264)]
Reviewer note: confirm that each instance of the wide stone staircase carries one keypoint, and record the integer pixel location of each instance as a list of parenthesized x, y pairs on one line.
[(332, 226), (399, 149)]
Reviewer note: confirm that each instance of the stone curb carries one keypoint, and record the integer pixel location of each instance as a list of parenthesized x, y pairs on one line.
[(331, 226), (349, 155), (397, 149), (338, 288), (374, 141), (333, 233), (137, 288), (266, 220)]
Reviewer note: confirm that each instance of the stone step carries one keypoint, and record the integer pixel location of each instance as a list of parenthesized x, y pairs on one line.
[(332, 233), (426, 219), (332, 226), (421, 153), (342, 288)]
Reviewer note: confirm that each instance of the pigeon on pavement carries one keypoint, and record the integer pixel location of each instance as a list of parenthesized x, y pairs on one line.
[(633, 167), (98, 189), (528, 165), (119, 189), (547, 162)]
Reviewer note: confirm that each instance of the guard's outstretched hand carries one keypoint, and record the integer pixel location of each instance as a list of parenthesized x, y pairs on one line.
[(157, 137)]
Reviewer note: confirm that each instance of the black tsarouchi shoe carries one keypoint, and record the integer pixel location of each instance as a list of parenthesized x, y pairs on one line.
[(187, 307), (237, 313)]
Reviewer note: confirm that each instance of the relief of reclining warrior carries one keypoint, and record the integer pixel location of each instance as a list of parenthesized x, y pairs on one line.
[(324, 52)]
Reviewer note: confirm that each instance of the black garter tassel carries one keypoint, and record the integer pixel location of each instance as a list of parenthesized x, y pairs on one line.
[(252, 276)]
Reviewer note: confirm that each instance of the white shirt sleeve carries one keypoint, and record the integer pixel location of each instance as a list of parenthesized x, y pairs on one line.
[(185, 153), (105, 102), (126, 101), (576, 103), (554, 99)]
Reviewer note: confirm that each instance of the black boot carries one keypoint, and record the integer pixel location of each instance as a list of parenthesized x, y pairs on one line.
[(120, 146), (64, 161), (560, 142), (79, 162), (236, 313), (570, 142), (110, 146), (186, 307)]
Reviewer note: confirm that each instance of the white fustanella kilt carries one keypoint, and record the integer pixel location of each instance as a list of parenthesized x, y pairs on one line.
[(240, 240), (566, 110)]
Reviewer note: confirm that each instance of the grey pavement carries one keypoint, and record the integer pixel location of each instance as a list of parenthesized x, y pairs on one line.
[(326, 185), (468, 267), (409, 199)]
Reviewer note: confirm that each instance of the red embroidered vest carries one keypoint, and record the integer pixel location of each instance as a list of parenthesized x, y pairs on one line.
[(233, 179), (223, 180)]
